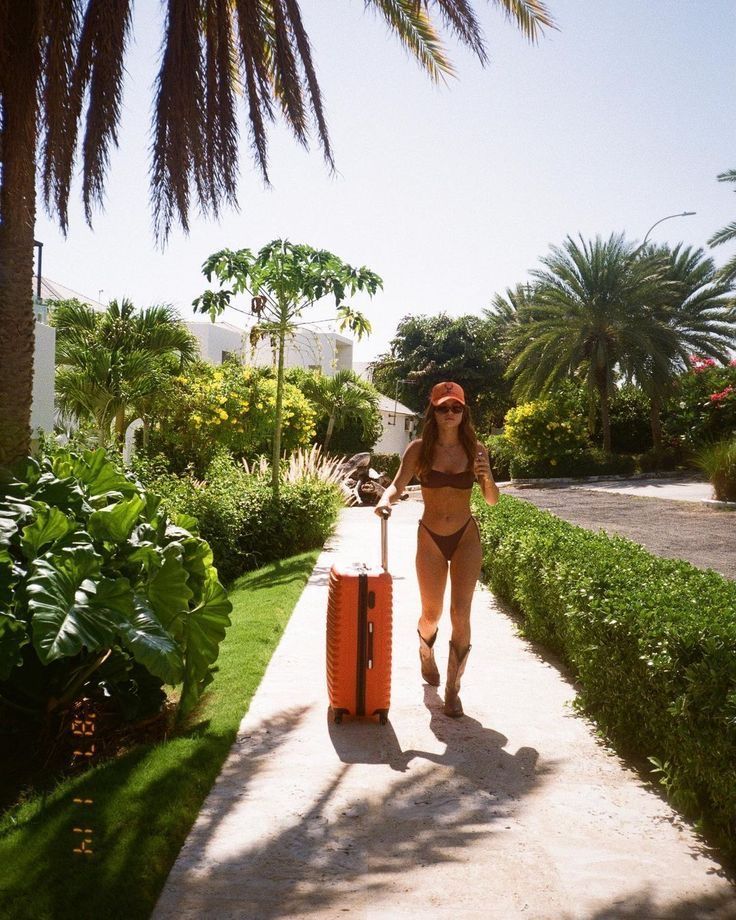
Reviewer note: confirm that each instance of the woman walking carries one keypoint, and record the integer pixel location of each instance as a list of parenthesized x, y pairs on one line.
[(447, 460)]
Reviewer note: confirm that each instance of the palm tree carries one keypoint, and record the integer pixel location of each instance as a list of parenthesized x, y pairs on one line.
[(588, 311), (110, 365), (726, 234), (55, 58), (697, 317), (342, 398)]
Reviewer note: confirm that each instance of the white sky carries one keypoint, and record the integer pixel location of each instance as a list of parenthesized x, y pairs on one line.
[(453, 192)]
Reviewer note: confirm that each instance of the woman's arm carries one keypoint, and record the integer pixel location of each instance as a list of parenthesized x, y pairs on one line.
[(402, 478), (485, 476)]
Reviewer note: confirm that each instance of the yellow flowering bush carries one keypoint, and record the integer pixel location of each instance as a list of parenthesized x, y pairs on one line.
[(231, 407), (545, 429)]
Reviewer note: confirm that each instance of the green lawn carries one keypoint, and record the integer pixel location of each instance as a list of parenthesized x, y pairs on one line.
[(145, 802)]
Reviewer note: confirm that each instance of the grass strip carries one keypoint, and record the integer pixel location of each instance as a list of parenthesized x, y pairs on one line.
[(145, 802)]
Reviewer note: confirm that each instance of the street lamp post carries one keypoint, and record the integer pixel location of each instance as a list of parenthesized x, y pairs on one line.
[(669, 217)]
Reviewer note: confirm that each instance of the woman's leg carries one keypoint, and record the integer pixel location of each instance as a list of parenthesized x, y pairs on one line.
[(464, 571), (432, 578)]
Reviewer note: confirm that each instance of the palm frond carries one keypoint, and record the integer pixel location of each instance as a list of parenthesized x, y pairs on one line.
[(101, 55), (531, 16), (410, 21), (59, 105), (724, 235)]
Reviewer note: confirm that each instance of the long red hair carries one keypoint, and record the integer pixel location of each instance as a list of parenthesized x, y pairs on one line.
[(466, 434)]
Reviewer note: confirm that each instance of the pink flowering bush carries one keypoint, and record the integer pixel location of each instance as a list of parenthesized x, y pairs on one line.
[(703, 406)]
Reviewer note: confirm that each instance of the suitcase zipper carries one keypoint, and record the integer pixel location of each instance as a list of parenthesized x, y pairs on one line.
[(362, 643)]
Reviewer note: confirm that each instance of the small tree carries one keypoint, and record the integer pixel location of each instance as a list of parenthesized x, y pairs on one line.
[(283, 280), (342, 399), (109, 365)]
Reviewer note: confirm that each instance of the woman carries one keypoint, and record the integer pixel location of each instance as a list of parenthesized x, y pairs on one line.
[(447, 460)]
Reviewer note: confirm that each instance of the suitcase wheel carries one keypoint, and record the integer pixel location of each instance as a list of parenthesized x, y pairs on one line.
[(337, 715), (383, 716)]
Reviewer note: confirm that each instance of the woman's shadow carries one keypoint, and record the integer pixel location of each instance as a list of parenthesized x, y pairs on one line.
[(471, 751)]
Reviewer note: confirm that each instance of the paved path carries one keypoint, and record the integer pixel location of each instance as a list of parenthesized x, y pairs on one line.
[(516, 810)]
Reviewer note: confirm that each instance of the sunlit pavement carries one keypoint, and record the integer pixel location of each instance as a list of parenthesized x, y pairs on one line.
[(515, 810)]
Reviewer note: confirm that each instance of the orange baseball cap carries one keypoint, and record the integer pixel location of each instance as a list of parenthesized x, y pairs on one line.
[(442, 392)]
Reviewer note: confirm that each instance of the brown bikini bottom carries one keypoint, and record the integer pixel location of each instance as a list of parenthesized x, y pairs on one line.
[(447, 543)]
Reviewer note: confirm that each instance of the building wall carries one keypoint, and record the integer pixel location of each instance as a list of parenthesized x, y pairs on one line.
[(327, 352), (44, 360), (324, 351), (396, 436), (217, 341)]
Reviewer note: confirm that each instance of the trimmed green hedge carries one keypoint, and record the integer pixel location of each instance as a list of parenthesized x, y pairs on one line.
[(652, 642)]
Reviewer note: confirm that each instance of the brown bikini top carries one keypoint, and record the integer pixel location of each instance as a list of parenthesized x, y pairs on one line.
[(436, 479)]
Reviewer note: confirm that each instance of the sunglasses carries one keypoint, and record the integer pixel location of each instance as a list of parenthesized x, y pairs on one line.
[(443, 410)]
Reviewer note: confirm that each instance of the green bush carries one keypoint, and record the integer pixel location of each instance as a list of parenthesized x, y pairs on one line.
[(651, 641), (244, 525), (631, 431), (102, 593), (386, 463), (589, 462), (547, 437), (702, 408), (719, 463), (231, 407), (500, 452)]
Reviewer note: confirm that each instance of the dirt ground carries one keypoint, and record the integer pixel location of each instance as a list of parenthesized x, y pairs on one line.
[(704, 536)]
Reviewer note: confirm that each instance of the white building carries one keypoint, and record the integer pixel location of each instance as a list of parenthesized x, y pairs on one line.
[(313, 349), (399, 426)]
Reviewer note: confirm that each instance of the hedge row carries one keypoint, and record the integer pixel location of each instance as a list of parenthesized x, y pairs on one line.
[(652, 642)]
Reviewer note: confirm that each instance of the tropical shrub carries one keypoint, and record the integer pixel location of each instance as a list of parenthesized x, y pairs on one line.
[(240, 518), (702, 408), (631, 431), (651, 643), (229, 406), (102, 593), (718, 461), (546, 436), (386, 463), (500, 452)]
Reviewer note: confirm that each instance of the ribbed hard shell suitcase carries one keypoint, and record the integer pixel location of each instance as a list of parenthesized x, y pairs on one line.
[(359, 625)]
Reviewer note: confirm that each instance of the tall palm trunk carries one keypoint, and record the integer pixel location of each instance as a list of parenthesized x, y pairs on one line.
[(120, 427), (276, 456), (605, 414), (17, 218), (655, 421)]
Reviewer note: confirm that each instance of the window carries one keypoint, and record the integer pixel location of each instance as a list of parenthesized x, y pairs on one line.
[(226, 355), (408, 424)]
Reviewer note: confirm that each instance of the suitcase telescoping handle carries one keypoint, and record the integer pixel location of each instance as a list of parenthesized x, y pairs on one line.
[(385, 515)]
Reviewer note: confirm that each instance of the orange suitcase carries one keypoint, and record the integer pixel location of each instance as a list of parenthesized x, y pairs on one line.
[(359, 622)]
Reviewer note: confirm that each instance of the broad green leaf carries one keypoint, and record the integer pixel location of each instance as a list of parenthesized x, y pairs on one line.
[(115, 522), (151, 645), (197, 559), (72, 607), (50, 525), (168, 591), (13, 636), (100, 476), (204, 629)]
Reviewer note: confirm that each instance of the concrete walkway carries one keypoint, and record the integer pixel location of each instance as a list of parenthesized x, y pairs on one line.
[(515, 810)]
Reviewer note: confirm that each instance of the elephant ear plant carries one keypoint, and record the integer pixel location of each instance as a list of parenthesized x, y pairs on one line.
[(102, 594)]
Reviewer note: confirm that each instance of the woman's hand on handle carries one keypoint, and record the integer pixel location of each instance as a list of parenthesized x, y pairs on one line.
[(383, 510)]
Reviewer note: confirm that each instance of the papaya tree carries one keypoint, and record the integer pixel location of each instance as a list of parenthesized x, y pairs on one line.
[(283, 280)]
